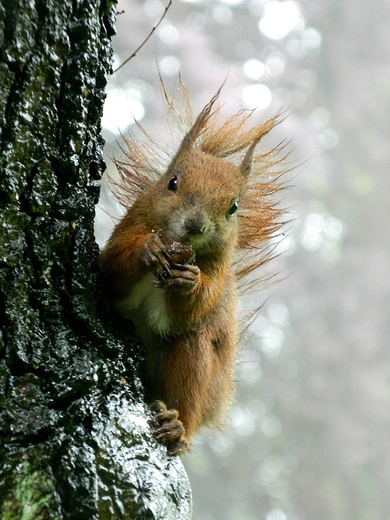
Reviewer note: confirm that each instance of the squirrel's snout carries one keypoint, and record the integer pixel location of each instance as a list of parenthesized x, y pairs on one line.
[(195, 224)]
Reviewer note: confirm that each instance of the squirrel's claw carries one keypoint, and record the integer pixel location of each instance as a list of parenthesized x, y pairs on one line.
[(168, 429)]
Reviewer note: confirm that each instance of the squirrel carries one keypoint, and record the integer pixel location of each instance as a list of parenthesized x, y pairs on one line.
[(193, 229)]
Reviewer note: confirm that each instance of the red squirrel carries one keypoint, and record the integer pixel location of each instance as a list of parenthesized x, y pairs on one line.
[(173, 262)]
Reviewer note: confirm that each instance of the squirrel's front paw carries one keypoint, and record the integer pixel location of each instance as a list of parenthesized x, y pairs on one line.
[(166, 258), (155, 256), (182, 277), (168, 429)]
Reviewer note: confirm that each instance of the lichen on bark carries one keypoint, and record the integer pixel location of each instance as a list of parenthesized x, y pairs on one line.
[(74, 438)]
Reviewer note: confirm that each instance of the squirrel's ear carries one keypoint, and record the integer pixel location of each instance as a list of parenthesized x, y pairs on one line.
[(197, 128), (200, 124), (247, 160)]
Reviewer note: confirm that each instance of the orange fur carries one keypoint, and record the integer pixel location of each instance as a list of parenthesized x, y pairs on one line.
[(186, 313)]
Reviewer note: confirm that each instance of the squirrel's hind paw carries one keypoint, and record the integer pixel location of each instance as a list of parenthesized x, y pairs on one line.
[(168, 429)]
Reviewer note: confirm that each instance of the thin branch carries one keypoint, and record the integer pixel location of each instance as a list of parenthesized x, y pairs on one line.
[(146, 39)]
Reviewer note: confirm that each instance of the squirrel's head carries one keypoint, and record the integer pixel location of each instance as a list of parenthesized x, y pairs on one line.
[(200, 193), (198, 200)]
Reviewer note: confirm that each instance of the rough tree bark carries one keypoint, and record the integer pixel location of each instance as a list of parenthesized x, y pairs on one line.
[(74, 436)]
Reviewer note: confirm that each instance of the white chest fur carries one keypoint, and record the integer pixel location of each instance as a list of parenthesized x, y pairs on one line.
[(146, 303)]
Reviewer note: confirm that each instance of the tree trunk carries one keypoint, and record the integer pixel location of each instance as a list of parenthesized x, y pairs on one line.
[(74, 436)]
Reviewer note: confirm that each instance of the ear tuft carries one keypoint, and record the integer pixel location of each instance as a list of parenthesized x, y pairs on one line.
[(199, 126), (246, 164)]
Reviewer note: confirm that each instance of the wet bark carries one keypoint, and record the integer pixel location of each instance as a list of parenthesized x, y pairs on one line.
[(74, 438)]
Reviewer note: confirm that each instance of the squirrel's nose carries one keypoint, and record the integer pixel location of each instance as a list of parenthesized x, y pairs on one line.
[(195, 224)]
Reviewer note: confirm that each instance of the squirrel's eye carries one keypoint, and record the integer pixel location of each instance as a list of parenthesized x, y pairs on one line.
[(233, 209), (172, 185)]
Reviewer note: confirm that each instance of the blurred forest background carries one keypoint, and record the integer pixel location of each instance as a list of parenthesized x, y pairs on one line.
[(309, 432)]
